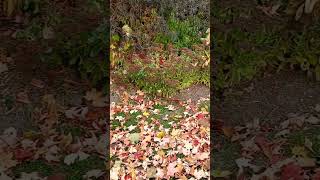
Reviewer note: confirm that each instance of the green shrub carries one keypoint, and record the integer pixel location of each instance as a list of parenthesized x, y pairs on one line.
[(182, 33)]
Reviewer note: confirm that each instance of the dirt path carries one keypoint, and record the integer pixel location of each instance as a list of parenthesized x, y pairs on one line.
[(270, 99)]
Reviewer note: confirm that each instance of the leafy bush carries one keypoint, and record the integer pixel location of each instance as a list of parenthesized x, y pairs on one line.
[(182, 33)]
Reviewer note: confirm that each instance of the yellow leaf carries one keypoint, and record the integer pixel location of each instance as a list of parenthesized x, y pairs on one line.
[(146, 114), (161, 153), (175, 132), (299, 151), (160, 134), (127, 30)]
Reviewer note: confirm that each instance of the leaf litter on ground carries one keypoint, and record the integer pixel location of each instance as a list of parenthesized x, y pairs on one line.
[(289, 150), (162, 139), (53, 146)]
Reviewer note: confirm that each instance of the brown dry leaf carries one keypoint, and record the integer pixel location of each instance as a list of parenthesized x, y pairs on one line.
[(52, 109), (66, 140), (96, 97), (228, 131), (22, 97), (125, 97)]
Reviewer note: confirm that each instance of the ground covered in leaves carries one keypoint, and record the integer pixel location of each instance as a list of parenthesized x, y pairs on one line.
[(67, 144), (257, 150), (52, 121), (157, 138)]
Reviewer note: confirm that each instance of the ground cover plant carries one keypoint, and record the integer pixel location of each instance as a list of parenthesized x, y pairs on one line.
[(164, 67), (162, 139)]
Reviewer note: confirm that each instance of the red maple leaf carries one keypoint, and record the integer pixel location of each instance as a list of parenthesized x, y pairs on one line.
[(291, 171), (23, 154), (200, 116)]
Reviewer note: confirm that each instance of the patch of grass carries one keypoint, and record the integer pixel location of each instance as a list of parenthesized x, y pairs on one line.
[(75, 131), (73, 172), (34, 166), (224, 158), (79, 168)]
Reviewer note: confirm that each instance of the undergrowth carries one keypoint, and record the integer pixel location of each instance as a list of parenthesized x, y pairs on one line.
[(242, 55), (175, 60)]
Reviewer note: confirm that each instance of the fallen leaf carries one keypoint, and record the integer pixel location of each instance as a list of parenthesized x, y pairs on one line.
[(291, 171), (127, 30), (71, 158), (96, 173), (151, 172), (171, 170), (77, 112), (37, 83), (299, 151), (227, 131), (9, 137), (134, 137), (160, 134), (23, 98), (51, 154), (22, 154), (96, 97)]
